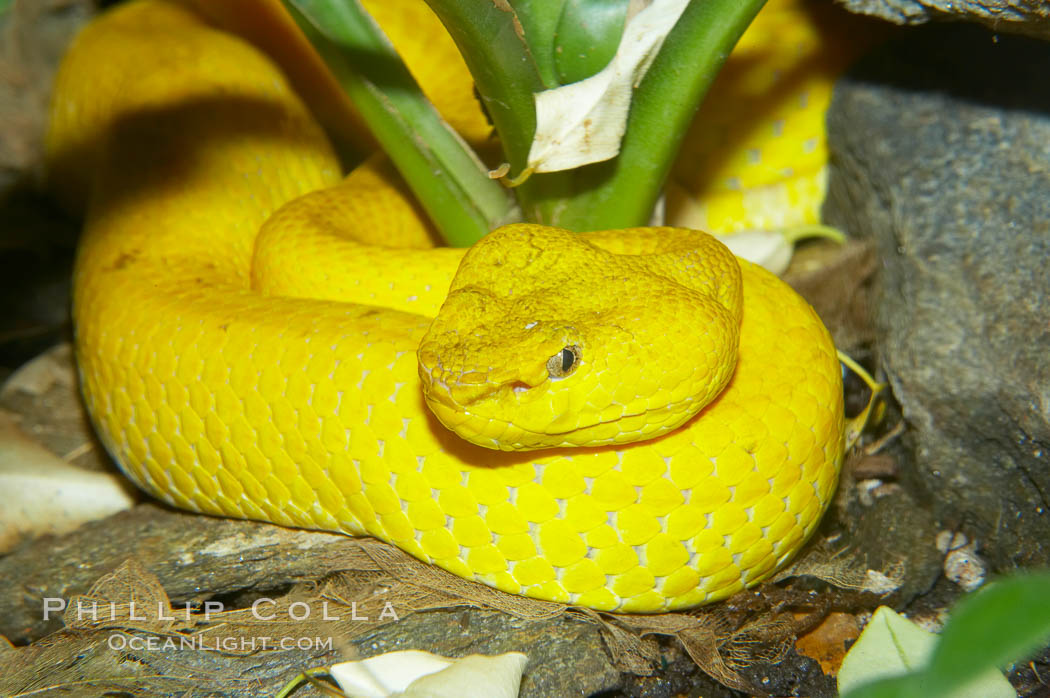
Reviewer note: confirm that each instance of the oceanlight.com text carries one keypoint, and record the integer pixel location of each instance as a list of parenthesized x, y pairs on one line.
[(153, 643)]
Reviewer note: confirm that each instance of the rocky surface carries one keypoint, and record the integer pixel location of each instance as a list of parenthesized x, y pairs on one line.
[(943, 159), (1030, 17), (345, 589), (36, 244), (184, 559), (33, 36)]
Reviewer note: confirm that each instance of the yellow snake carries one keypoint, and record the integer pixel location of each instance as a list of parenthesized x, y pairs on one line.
[(255, 339)]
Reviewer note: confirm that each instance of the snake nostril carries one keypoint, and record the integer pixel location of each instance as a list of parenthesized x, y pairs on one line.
[(519, 387)]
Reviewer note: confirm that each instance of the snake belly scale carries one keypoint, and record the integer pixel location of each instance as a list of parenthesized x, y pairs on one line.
[(249, 341)]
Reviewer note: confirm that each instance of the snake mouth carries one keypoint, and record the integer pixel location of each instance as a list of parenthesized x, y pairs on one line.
[(459, 389), (479, 410), (458, 394), (507, 435)]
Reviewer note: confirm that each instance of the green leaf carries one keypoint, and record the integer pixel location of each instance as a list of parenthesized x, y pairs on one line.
[(621, 192), (583, 122), (987, 630), (588, 34), (1000, 624), (907, 686), (891, 659), (890, 645)]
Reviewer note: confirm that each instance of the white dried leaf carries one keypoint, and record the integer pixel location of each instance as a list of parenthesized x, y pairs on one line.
[(494, 677), (770, 249), (878, 583), (584, 122), (417, 674), (45, 494), (892, 645)]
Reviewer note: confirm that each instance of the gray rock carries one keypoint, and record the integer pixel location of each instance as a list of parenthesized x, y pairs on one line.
[(566, 657), (1030, 17), (35, 37), (195, 558), (942, 145)]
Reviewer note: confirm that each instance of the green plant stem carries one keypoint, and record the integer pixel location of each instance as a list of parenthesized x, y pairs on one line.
[(442, 171), (503, 68), (623, 191), (539, 21)]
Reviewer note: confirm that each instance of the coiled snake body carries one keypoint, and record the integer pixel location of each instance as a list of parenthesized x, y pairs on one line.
[(249, 357)]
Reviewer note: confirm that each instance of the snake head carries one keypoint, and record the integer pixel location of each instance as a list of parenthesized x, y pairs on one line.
[(548, 338)]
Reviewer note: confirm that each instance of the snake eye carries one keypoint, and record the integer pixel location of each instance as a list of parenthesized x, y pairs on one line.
[(564, 362)]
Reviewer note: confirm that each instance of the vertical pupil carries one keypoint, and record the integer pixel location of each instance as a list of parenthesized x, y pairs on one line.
[(567, 359)]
